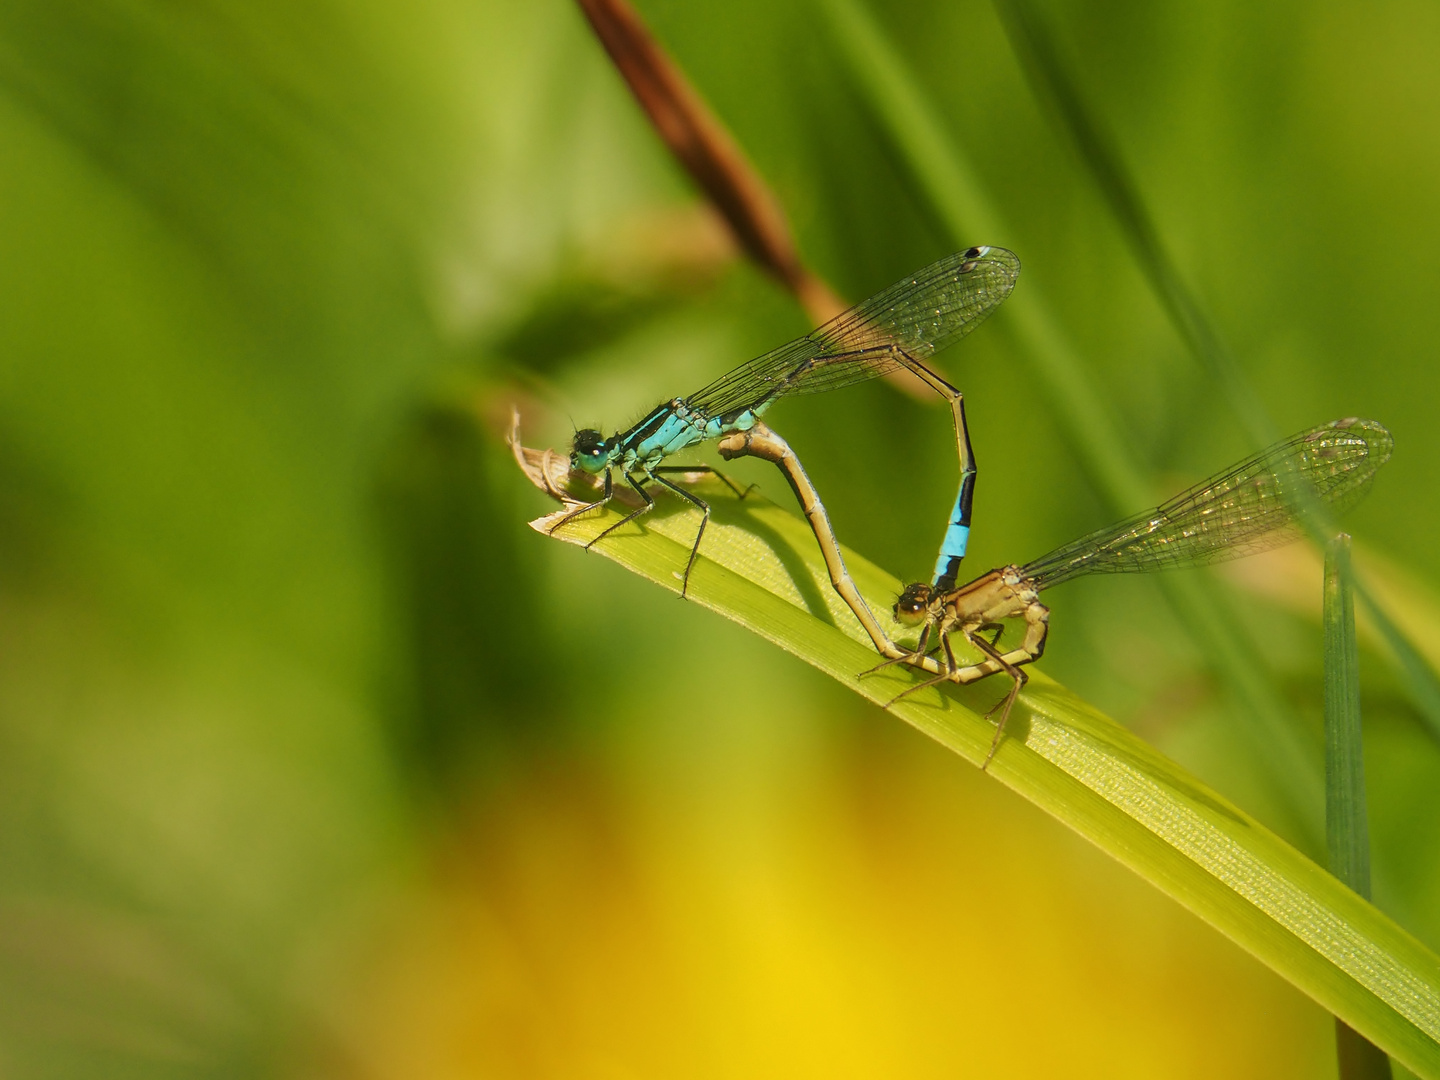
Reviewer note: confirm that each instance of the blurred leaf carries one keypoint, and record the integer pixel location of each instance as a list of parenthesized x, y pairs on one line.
[(466, 606), (1052, 81), (636, 273)]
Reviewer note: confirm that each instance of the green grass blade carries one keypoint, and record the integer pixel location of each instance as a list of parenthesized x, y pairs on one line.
[(951, 187), (761, 569), (1347, 829)]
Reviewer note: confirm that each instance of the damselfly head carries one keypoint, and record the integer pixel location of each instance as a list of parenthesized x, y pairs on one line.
[(913, 606), (590, 451)]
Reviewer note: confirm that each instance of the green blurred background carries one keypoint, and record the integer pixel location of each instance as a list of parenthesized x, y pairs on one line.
[(316, 761)]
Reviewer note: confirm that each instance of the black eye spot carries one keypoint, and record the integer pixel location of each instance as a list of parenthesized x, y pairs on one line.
[(589, 442)]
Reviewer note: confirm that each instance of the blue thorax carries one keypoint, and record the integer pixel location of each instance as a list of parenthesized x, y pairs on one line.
[(670, 428)]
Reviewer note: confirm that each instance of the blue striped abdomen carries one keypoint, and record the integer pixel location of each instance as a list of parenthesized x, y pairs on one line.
[(673, 427)]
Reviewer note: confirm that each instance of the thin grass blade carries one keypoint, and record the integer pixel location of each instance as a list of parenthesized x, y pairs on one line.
[(1347, 829)]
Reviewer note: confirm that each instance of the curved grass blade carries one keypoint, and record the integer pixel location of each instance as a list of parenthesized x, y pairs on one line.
[(761, 569)]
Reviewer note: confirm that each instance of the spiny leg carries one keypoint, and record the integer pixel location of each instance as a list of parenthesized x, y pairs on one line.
[(909, 658), (951, 667), (705, 520), (605, 498), (707, 469), (1018, 680), (649, 505)]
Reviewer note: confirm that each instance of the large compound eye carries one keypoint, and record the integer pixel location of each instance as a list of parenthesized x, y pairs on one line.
[(913, 606), (589, 451)]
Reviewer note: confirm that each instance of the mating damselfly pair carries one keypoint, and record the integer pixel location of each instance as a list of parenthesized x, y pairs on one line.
[(900, 327), (1263, 501), (1260, 503)]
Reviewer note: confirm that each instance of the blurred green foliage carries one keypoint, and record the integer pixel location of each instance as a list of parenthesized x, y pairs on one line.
[(275, 642)]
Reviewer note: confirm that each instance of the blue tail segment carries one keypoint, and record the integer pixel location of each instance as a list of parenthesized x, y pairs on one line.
[(952, 551), (957, 533)]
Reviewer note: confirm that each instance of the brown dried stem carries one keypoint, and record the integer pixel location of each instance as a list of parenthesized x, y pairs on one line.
[(708, 153)]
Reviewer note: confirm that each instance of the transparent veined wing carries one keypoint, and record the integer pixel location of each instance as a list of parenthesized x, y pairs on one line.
[(917, 316), (1252, 507)]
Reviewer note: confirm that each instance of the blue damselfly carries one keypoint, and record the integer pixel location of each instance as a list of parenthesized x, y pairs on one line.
[(900, 327)]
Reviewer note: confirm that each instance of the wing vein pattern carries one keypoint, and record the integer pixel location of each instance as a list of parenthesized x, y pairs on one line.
[(917, 316), (1252, 507)]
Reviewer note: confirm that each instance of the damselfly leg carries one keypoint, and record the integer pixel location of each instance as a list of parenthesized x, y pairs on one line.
[(1018, 678), (649, 504), (638, 483), (609, 492), (740, 493)]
